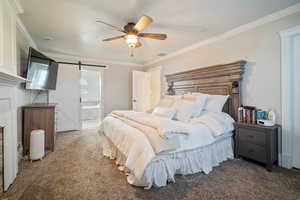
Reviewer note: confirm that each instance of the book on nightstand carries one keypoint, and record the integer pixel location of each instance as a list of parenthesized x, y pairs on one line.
[(247, 114)]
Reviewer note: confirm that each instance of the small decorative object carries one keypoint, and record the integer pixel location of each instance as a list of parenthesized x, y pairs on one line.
[(260, 114), (269, 119)]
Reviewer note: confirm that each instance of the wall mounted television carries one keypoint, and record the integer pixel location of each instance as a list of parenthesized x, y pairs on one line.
[(41, 71)]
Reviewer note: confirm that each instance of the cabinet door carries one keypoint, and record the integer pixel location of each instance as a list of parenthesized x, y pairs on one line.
[(49, 128), (44, 119)]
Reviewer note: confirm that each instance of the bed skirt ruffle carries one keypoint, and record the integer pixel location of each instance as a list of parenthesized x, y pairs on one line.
[(163, 168)]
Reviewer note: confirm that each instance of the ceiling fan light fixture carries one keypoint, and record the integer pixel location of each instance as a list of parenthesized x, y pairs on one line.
[(131, 40)]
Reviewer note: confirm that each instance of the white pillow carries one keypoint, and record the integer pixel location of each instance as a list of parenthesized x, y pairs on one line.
[(174, 97), (219, 123), (199, 100), (184, 109), (164, 112), (214, 103), (168, 100)]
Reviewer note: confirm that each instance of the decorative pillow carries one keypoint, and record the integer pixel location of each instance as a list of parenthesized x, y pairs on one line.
[(174, 97), (164, 112), (184, 109), (214, 103), (168, 100), (199, 100), (219, 123)]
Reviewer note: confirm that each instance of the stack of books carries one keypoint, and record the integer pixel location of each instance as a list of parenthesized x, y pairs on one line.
[(247, 114)]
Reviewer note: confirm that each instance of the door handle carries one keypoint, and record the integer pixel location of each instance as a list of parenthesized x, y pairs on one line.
[(134, 100)]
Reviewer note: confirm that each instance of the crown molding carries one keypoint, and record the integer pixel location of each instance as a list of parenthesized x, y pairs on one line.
[(21, 27), (243, 28), (16, 6), (290, 32), (91, 60)]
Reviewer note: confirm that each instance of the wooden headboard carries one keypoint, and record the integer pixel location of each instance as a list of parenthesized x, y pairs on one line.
[(224, 79)]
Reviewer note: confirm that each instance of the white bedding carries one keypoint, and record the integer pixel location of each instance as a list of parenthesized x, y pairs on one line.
[(134, 139), (163, 167), (199, 136)]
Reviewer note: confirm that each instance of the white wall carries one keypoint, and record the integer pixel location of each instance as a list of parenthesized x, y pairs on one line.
[(23, 97), (259, 46), (117, 86)]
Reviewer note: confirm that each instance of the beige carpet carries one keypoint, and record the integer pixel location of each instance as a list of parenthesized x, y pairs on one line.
[(76, 170)]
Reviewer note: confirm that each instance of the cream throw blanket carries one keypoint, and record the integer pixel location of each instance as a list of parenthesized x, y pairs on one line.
[(161, 132)]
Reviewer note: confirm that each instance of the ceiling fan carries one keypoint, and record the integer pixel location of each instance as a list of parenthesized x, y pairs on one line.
[(132, 31)]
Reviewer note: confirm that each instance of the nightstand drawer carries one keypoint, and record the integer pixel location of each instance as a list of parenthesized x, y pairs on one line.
[(252, 136), (252, 151)]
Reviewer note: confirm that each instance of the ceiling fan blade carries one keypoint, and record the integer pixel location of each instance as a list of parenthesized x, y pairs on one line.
[(143, 22), (138, 44), (113, 38), (155, 36), (112, 26)]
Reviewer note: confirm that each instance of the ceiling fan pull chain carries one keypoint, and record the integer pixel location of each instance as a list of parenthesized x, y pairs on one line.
[(131, 52)]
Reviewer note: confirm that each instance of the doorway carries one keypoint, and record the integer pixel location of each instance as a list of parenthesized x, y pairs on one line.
[(91, 94), (290, 97), (146, 89)]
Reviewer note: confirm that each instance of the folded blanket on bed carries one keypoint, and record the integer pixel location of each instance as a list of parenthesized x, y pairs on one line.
[(162, 133), (164, 127), (129, 142)]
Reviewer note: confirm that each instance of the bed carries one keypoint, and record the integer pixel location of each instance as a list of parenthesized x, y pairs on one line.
[(151, 160)]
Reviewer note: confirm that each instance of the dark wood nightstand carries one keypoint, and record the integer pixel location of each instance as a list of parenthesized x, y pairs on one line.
[(257, 142)]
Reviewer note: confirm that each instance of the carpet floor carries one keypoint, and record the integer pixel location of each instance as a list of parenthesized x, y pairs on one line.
[(77, 170)]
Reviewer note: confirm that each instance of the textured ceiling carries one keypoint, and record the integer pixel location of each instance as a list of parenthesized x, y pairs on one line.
[(72, 27)]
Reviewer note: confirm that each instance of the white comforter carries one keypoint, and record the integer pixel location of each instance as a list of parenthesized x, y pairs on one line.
[(141, 136)]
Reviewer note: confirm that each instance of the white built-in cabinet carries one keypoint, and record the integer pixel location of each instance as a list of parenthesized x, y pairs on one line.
[(8, 37), (9, 80)]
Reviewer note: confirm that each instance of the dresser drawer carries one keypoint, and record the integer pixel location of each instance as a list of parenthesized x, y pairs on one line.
[(253, 151), (252, 136)]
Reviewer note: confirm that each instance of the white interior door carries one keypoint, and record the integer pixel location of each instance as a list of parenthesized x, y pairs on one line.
[(155, 87), (67, 96), (296, 100), (141, 91)]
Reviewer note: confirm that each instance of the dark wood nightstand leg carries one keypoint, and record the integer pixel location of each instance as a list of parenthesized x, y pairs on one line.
[(269, 152), (269, 166)]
